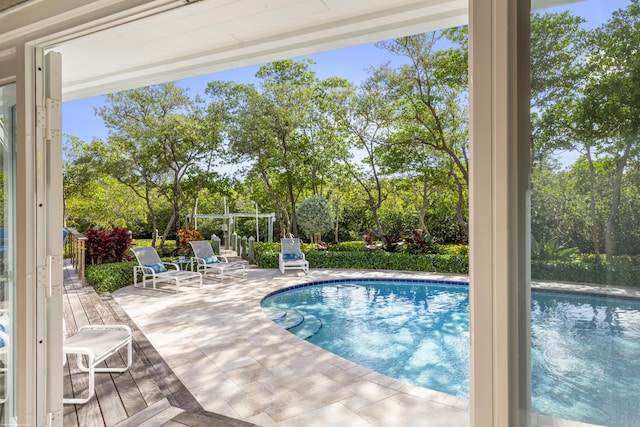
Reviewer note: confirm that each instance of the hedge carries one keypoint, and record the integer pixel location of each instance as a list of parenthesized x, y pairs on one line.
[(380, 260), (597, 273), (110, 277)]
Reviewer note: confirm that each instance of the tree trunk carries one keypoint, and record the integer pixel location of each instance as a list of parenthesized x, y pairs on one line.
[(464, 224), (293, 224), (610, 233), (595, 239), (422, 208), (336, 228)]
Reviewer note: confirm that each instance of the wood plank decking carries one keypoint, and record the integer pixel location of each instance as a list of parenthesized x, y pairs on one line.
[(148, 394)]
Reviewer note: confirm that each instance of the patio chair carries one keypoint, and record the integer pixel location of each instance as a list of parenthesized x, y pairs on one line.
[(4, 353), (206, 261), (92, 345), (291, 256), (153, 268)]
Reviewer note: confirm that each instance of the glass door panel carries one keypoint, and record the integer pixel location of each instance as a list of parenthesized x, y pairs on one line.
[(585, 199), (7, 249)]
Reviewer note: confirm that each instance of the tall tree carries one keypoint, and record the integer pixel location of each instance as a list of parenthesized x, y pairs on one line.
[(432, 87), (271, 128), (610, 107), (160, 145), (365, 116)]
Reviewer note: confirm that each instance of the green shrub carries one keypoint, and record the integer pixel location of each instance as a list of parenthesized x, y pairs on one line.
[(452, 249), (266, 247), (380, 260), (110, 277), (169, 244), (595, 272), (358, 245)]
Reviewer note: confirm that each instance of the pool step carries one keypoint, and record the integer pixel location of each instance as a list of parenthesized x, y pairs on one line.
[(308, 328), (303, 325), (291, 319), (274, 313)]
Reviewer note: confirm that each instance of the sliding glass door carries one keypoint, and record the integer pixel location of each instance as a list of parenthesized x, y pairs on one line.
[(7, 251)]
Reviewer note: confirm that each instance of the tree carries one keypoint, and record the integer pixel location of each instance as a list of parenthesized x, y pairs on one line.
[(160, 145), (432, 89), (611, 104), (557, 74), (95, 200), (315, 217), (274, 129), (365, 116)]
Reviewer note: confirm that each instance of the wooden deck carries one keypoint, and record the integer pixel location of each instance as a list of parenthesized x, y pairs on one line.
[(148, 394)]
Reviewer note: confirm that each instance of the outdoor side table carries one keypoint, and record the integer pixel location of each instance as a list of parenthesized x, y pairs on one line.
[(185, 264)]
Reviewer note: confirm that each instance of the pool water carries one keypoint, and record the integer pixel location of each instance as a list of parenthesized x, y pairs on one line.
[(585, 349)]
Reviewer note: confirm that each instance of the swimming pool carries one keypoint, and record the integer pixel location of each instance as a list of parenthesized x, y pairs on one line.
[(585, 349)]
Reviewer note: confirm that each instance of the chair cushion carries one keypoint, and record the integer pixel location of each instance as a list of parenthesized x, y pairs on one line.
[(157, 268), (211, 260), (3, 329), (290, 257)]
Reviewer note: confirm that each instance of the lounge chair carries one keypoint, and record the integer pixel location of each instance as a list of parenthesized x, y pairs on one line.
[(4, 353), (206, 261), (291, 256), (92, 345), (152, 267)]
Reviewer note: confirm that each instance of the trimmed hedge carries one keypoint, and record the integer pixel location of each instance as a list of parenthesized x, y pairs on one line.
[(597, 273), (110, 277), (380, 260)]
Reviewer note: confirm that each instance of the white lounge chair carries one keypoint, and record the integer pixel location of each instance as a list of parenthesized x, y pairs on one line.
[(291, 256), (152, 267), (4, 353), (92, 345), (206, 261)]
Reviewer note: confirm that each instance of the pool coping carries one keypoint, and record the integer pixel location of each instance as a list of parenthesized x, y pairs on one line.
[(238, 363)]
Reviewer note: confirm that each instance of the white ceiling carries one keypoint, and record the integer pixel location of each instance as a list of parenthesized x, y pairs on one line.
[(215, 35)]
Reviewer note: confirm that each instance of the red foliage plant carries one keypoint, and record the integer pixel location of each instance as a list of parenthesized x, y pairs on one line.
[(105, 246)]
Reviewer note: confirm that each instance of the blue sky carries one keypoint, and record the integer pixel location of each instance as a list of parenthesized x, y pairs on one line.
[(78, 118)]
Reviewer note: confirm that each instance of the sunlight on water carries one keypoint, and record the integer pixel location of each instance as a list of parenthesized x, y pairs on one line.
[(585, 350)]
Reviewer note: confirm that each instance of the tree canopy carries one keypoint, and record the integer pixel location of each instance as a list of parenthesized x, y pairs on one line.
[(384, 154)]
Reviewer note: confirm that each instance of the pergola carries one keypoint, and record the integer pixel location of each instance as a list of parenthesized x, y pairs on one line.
[(230, 219)]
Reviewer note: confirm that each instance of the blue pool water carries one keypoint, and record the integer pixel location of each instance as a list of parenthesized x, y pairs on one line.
[(585, 349)]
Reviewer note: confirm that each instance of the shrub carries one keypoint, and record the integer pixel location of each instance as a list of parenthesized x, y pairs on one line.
[(105, 246), (315, 217), (390, 242), (110, 277), (183, 238), (549, 249), (169, 244), (346, 246), (451, 249), (420, 243), (596, 272), (380, 260)]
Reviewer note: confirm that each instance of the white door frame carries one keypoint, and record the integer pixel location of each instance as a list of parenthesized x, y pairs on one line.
[(39, 239)]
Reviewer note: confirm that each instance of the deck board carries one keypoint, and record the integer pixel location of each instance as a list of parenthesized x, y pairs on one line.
[(148, 394)]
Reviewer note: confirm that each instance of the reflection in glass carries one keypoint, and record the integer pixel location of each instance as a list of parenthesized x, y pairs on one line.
[(7, 218), (585, 199)]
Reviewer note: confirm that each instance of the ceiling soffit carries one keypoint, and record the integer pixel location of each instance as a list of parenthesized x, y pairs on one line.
[(212, 36)]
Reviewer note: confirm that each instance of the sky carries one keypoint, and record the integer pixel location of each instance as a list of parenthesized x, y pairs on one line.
[(79, 119)]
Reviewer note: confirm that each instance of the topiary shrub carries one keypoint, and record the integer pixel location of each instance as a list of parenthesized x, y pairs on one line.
[(315, 217)]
